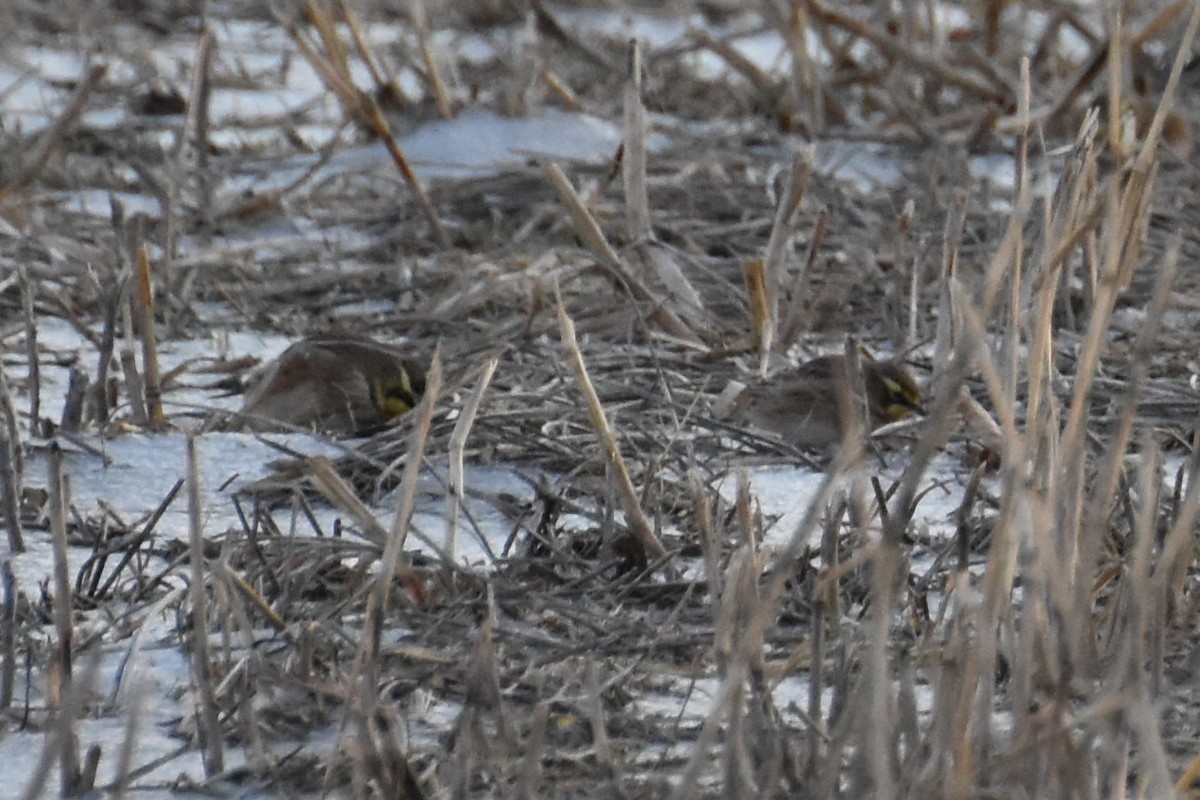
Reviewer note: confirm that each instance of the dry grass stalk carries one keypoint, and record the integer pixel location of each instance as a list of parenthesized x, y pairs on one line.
[(104, 356), (796, 319), (208, 726), (382, 766), (458, 445), (825, 613), (674, 288), (761, 316), (562, 91), (766, 86), (633, 164), (199, 109), (657, 262), (255, 598), (783, 227), (738, 606), (1116, 24), (1149, 152), (10, 486), (432, 74), (1010, 348), (1119, 261), (702, 512), (56, 133), (1070, 218), (62, 673), (601, 744), (62, 579), (907, 298), (635, 518), (481, 679), (548, 25), (333, 68), (530, 771), (731, 687), (12, 428), (393, 553), (744, 510), (593, 238), (143, 305), (61, 744), (319, 14), (337, 491), (915, 54), (31, 348), (8, 633), (764, 613), (1087, 566), (947, 320), (380, 127), (586, 226), (136, 709), (805, 78), (385, 81), (73, 404)]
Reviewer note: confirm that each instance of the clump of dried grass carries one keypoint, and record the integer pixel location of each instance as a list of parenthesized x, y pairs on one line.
[(629, 575)]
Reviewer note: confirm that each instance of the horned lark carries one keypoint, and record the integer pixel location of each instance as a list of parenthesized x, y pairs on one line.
[(804, 405), (336, 384)]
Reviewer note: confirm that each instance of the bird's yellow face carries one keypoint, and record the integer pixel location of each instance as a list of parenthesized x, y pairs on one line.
[(398, 392), (892, 392)]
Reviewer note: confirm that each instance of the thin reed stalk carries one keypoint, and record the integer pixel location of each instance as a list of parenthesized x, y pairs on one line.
[(207, 714), (333, 68), (8, 633), (636, 519), (458, 444), (433, 72), (394, 563), (10, 488), (33, 363), (143, 303), (593, 238), (52, 139), (62, 670), (634, 160), (778, 249)]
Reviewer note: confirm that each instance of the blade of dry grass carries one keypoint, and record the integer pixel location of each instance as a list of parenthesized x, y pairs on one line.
[(393, 554), (207, 715), (633, 165), (921, 59), (783, 227), (62, 671), (31, 347), (200, 109), (458, 444), (56, 133), (638, 523), (762, 330), (336, 490), (8, 633), (143, 303), (10, 487), (593, 238), (333, 68)]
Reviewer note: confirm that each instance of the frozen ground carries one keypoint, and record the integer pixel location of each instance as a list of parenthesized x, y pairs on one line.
[(276, 125)]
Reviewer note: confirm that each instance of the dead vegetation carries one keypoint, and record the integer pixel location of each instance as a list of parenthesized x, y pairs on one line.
[(634, 636)]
